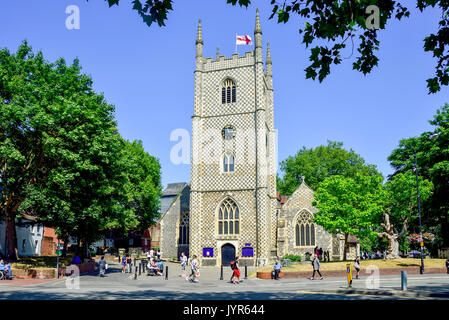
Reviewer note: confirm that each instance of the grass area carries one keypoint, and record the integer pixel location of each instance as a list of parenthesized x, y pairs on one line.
[(41, 262), (380, 263)]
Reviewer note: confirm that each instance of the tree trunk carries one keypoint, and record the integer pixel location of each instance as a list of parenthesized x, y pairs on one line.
[(392, 237), (11, 237), (445, 231), (64, 249), (393, 246), (345, 246)]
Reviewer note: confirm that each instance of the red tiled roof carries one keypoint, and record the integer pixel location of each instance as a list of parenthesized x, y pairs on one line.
[(282, 199)]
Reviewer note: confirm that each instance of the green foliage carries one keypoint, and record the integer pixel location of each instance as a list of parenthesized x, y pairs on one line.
[(320, 163), (338, 21), (61, 159), (401, 197), (349, 205), (372, 243), (432, 155), (143, 187), (292, 257)]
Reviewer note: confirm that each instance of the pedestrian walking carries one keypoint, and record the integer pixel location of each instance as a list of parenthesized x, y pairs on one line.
[(195, 270), (357, 266), (123, 263), (158, 253), (129, 262), (277, 269), (235, 278), (151, 253), (447, 265), (103, 265), (316, 268), (320, 253), (183, 259)]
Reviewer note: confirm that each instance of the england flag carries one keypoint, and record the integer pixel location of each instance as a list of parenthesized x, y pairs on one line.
[(246, 40)]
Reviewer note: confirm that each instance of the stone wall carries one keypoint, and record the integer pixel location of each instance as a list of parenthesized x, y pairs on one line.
[(299, 208), (170, 225)]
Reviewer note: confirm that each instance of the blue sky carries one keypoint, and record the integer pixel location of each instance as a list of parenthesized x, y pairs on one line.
[(147, 73)]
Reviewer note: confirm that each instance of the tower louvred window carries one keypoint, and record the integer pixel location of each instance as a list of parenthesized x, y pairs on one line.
[(228, 92)]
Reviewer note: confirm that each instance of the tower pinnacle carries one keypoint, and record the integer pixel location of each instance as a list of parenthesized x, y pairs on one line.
[(199, 35), (268, 53), (257, 29), (199, 41)]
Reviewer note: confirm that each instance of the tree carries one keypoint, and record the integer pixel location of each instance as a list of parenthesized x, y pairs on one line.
[(349, 205), (336, 22), (401, 207), (320, 163), (62, 161), (432, 154), (143, 187)]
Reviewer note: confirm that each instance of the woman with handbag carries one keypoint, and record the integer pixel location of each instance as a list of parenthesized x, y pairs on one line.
[(357, 266)]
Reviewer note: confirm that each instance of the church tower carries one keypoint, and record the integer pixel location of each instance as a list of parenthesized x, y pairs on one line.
[(233, 168)]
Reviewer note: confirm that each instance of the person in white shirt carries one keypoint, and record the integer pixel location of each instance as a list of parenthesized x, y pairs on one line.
[(151, 253), (183, 259), (195, 268)]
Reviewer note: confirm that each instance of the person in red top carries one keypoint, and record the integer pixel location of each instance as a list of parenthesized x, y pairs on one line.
[(236, 272)]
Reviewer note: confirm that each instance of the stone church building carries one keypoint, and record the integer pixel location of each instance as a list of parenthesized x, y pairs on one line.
[(231, 207)]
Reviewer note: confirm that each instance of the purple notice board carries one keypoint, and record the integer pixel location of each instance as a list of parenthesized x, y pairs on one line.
[(247, 252), (208, 252)]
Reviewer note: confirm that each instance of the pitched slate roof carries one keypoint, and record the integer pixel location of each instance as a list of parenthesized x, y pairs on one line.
[(169, 195), (174, 188)]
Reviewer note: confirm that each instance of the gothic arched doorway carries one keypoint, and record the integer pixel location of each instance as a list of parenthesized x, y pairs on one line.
[(227, 254)]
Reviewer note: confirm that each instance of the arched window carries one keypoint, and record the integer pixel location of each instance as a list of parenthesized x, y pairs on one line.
[(228, 218), (305, 230), (184, 228), (228, 93), (228, 162)]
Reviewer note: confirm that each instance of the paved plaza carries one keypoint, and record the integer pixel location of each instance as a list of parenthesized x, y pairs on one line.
[(117, 285)]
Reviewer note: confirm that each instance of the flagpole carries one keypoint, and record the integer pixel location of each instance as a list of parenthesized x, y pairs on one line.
[(236, 43)]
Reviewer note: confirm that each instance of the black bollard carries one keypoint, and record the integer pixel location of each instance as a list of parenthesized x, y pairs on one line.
[(166, 272), (119, 259), (221, 272), (246, 272), (135, 274)]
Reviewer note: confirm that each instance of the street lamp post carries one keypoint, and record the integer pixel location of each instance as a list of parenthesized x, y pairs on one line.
[(421, 240), (57, 260)]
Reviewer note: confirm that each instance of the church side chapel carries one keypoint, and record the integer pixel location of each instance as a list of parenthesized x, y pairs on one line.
[(231, 207)]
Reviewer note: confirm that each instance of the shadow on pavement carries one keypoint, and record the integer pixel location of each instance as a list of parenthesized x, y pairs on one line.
[(171, 295)]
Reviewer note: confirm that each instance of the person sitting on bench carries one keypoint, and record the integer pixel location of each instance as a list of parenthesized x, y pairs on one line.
[(6, 268)]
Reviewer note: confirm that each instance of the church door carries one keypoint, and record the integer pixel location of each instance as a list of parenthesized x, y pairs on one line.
[(227, 254)]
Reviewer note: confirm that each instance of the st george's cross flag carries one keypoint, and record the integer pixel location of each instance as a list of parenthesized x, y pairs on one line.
[(246, 40)]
